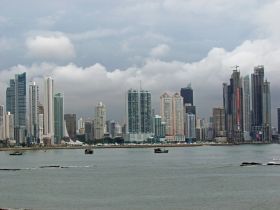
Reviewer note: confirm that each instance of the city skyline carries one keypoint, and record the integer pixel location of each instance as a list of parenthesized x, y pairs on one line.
[(141, 52)]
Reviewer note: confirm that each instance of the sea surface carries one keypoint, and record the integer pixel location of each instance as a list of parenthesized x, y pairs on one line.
[(190, 178)]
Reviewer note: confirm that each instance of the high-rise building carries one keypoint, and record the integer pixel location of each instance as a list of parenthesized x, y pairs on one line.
[(266, 114), (9, 126), (246, 108), (133, 115), (2, 122), (58, 117), (159, 128), (278, 119), (40, 122), (33, 128), (70, 121), (190, 131), (166, 112), (88, 130), (16, 105), (10, 97), (100, 121), (233, 106), (261, 106), (48, 109), (187, 94), (178, 117), (145, 111), (219, 122), (172, 113), (138, 115)]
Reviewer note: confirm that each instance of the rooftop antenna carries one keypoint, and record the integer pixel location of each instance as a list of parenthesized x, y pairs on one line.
[(235, 68)]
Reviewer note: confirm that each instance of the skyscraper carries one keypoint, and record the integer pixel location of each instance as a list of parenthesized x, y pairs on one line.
[(219, 122), (261, 106), (133, 116), (48, 109), (190, 127), (138, 115), (278, 119), (187, 94), (246, 107), (2, 122), (145, 112), (100, 121), (266, 114), (16, 105), (70, 121), (166, 112), (172, 113), (233, 106), (58, 117), (33, 128), (159, 128), (9, 126), (178, 117)]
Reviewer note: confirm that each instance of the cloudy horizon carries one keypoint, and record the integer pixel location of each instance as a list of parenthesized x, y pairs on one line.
[(95, 51)]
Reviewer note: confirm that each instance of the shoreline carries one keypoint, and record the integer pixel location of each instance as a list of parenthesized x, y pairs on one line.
[(126, 146)]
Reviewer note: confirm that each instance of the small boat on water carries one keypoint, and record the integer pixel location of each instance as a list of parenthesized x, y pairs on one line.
[(16, 153), (88, 151), (159, 150)]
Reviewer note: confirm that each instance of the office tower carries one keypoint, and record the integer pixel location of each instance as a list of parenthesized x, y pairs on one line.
[(16, 105), (10, 97), (159, 128), (89, 130), (48, 109), (133, 116), (219, 122), (100, 121), (40, 122), (266, 114), (278, 119), (145, 111), (233, 106), (261, 107), (246, 108), (33, 128), (70, 121), (138, 115), (9, 126), (190, 132), (166, 112), (178, 117), (257, 95), (2, 122), (187, 94), (81, 126), (58, 117)]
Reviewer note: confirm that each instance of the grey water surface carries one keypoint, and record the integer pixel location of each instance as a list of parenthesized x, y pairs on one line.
[(189, 178)]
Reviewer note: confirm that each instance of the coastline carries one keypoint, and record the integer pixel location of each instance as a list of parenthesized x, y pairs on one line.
[(125, 146)]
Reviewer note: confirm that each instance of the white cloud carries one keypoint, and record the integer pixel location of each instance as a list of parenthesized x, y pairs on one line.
[(159, 51), (50, 47)]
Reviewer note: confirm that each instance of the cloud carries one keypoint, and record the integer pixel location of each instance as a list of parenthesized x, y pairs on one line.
[(159, 51), (84, 87), (50, 47)]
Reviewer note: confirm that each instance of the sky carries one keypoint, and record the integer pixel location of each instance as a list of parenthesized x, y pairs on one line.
[(97, 50)]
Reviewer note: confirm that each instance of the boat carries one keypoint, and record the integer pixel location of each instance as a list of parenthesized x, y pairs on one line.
[(16, 153), (250, 164), (159, 150), (88, 151)]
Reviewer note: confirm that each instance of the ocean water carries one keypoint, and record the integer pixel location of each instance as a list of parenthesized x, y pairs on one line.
[(190, 178)]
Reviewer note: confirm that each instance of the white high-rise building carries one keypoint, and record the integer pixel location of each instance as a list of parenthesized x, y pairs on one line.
[(48, 109), (172, 113), (2, 122), (9, 126), (178, 117), (100, 121), (246, 107), (166, 109), (33, 127)]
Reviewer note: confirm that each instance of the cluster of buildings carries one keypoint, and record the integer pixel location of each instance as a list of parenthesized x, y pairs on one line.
[(246, 112), (244, 117)]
